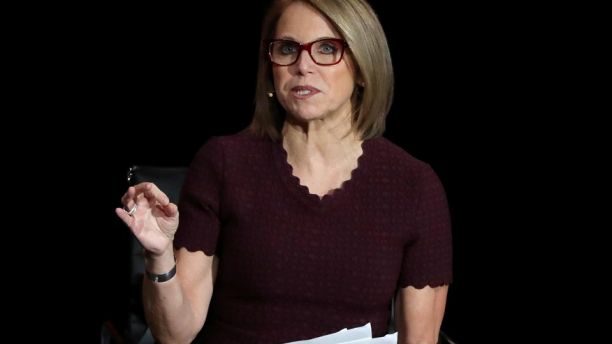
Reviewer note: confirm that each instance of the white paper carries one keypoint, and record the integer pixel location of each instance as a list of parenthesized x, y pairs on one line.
[(358, 335)]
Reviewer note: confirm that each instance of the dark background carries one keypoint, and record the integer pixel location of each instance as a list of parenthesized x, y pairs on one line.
[(153, 86)]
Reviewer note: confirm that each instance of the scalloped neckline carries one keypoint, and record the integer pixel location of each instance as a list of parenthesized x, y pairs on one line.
[(296, 183)]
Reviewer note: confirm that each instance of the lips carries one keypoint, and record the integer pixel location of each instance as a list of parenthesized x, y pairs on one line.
[(304, 91)]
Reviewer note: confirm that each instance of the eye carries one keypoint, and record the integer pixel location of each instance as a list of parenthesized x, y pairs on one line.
[(328, 47), (287, 48)]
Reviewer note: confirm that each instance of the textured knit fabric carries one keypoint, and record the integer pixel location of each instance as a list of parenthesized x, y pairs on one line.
[(293, 266)]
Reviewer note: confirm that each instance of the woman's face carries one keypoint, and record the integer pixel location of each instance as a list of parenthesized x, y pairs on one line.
[(306, 90)]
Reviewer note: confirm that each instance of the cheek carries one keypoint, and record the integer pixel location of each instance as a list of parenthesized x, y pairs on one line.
[(279, 78), (344, 84)]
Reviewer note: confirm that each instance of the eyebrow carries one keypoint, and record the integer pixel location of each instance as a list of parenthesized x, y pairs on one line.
[(290, 38)]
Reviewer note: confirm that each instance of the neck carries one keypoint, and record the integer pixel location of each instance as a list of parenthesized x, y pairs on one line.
[(320, 142)]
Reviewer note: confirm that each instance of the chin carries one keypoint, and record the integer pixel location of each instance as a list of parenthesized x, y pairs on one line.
[(306, 117)]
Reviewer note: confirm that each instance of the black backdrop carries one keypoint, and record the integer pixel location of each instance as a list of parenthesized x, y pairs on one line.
[(156, 88)]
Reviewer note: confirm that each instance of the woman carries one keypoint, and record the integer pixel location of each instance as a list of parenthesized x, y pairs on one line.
[(309, 221)]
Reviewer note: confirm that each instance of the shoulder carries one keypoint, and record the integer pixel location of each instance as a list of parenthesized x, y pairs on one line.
[(397, 173), (388, 161), (388, 154), (233, 148)]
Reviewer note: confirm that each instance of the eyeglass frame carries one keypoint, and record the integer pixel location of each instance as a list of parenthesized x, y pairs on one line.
[(308, 48)]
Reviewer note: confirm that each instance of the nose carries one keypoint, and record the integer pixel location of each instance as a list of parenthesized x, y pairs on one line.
[(304, 62)]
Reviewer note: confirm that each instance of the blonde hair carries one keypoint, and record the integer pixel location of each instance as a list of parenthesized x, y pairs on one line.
[(358, 24)]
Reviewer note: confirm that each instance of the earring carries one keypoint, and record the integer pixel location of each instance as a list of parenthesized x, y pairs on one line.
[(270, 94)]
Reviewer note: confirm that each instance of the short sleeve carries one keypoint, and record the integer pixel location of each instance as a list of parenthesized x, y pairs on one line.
[(199, 222), (428, 257)]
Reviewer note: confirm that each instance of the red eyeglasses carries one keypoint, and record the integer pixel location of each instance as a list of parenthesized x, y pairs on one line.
[(324, 52)]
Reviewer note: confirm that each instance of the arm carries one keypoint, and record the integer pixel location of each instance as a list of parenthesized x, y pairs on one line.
[(176, 309), (419, 314)]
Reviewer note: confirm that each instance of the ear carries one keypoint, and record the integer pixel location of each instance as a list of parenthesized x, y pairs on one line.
[(359, 81)]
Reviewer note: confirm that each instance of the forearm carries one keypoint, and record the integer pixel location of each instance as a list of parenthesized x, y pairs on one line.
[(420, 313), (424, 334), (167, 308)]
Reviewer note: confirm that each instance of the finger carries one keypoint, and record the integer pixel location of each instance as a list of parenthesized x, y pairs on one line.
[(153, 193), (169, 209), (123, 215), (128, 197), (131, 210)]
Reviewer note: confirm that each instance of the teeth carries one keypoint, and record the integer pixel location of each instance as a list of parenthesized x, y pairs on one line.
[(303, 92)]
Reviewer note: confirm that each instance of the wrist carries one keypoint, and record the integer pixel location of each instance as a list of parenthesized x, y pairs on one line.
[(160, 268), (159, 263), (159, 278)]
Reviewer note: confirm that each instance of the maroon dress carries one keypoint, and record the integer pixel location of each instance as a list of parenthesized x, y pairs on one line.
[(293, 266)]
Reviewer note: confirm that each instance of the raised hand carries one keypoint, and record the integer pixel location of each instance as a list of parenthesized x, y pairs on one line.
[(150, 216)]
